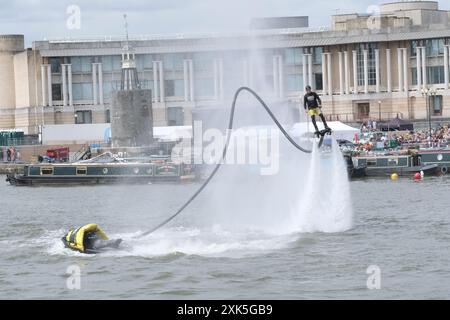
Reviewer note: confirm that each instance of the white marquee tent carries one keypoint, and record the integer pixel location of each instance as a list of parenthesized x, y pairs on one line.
[(340, 130)]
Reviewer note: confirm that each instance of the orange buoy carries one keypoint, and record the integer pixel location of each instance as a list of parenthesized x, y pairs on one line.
[(417, 176)]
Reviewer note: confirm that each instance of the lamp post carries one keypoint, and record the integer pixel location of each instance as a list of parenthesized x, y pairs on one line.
[(427, 92), (379, 110)]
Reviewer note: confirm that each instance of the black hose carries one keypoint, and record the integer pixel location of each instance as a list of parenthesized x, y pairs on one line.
[(216, 168)]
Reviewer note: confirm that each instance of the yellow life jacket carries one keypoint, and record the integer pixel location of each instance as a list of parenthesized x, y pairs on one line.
[(75, 237)]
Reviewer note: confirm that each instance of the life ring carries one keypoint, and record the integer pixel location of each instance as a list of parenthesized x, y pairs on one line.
[(444, 170)]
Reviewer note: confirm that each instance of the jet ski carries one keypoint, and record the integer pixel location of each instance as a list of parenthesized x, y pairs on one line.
[(89, 239)]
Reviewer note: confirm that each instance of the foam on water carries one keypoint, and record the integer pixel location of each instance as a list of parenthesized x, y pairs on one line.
[(189, 241)]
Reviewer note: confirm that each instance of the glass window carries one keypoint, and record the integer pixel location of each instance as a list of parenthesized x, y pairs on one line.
[(435, 75), (55, 65), (76, 64), (414, 45), (82, 91), (179, 88), (436, 105), (434, 47), (169, 88), (319, 81), (144, 62), (371, 66), (86, 64), (56, 92), (111, 63), (175, 116), (107, 89), (317, 55), (203, 61), (293, 56), (81, 64), (173, 62), (87, 91), (84, 116), (414, 76), (108, 116), (174, 88), (294, 82), (117, 63), (204, 87), (77, 92), (393, 162)]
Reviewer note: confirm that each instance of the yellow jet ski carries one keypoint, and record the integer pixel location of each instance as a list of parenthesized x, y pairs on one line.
[(89, 239)]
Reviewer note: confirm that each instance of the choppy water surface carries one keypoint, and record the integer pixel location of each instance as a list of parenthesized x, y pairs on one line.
[(402, 227)]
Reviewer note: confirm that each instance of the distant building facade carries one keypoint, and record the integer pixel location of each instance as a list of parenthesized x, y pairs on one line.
[(364, 67)]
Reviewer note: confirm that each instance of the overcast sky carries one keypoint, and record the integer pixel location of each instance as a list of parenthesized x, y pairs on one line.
[(39, 19)]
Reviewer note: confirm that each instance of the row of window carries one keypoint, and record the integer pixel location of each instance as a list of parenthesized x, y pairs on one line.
[(433, 47), (435, 75), (175, 116), (204, 87)]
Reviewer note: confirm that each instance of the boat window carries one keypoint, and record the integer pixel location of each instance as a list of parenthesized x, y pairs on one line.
[(46, 171), (371, 162), (81, 171), (393, 162)]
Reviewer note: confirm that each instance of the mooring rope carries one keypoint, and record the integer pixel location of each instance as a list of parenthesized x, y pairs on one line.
[(216, 168)]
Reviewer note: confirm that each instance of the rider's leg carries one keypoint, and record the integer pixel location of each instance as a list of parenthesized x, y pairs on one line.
[(324, 121), (313, 120)]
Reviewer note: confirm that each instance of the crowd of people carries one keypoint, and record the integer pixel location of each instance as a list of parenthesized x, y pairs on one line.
[(370, 138)]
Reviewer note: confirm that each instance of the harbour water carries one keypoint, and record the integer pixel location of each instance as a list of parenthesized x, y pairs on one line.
[(401, 227)]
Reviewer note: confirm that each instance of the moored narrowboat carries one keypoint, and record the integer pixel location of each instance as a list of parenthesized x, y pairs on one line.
[(384, 165), (439, 157), (100, 172)]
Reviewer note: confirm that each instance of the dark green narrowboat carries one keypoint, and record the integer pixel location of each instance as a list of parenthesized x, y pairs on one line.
[(385, 165), (88, 172)]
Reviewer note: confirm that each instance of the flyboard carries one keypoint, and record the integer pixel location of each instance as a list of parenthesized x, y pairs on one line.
[(321, 135)]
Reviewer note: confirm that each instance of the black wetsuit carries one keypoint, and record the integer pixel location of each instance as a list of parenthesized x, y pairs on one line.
[(311, 101), (93, 241)]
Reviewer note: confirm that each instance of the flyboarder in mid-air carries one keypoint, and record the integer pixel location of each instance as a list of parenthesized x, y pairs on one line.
[(313, 104)]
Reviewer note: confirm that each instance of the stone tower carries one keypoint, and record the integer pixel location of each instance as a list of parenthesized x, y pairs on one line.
[(131, 106)]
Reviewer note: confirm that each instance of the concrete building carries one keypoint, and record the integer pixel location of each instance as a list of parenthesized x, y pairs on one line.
[(364, 66)]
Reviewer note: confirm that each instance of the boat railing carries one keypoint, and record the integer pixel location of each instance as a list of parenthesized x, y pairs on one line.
[(104, 158)]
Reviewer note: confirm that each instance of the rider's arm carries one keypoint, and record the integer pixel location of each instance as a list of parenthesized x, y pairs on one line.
[(319, 102), (305, 102)]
